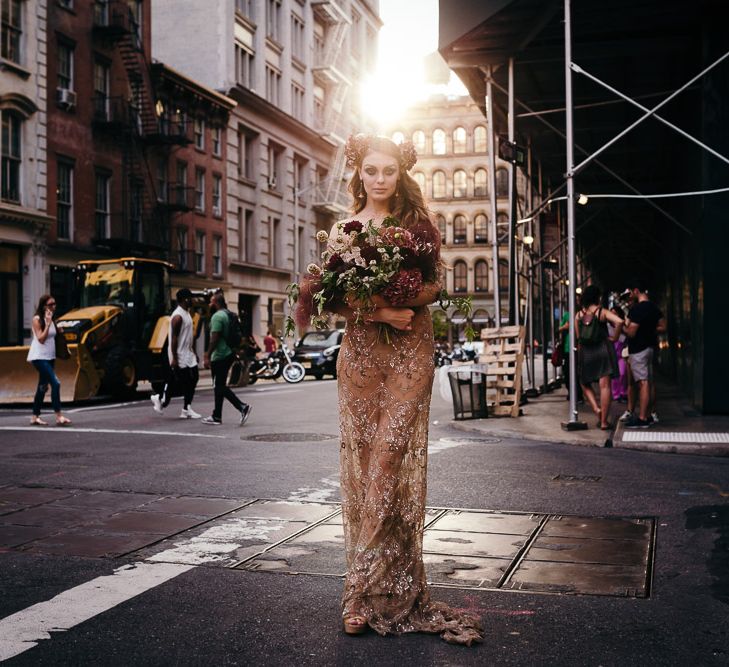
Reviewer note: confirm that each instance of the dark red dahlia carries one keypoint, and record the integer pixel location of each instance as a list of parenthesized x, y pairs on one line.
[(353, 226), (404, 286), (369, 253), (333, 262)]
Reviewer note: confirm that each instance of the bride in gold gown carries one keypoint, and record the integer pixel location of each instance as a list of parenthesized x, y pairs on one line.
[(384, 402)]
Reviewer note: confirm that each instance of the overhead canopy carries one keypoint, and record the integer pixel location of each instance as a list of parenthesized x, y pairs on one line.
[(646, 50)]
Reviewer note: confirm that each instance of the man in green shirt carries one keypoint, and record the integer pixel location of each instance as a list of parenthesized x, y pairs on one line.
[(219, 357), (564, 329)]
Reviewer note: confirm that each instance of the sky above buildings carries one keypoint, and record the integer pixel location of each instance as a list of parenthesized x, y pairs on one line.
[(409, 35)]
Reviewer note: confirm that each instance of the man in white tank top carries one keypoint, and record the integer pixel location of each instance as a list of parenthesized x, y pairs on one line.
[(183, 360)]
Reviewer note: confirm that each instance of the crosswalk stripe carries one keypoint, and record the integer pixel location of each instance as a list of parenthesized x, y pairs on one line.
[(23, 630)]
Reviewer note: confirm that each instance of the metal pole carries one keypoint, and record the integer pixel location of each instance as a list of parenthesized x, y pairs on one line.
[(492, 189), (296, 232), (544, 306), (513, 270), (572, 422)]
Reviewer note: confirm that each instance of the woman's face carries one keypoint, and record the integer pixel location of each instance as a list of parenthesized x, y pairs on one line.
[(51, 304), (379, 173)]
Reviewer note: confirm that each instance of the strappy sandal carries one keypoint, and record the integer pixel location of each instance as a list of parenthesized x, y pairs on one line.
[(37, 421), (62, 421), (354, 624)]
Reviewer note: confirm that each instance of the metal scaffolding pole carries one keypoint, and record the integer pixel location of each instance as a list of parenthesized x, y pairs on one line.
[(572, 423), (513, 268), (492, 193)]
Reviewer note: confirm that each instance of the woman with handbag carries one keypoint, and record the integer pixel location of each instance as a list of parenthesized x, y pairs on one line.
[(42, 354)]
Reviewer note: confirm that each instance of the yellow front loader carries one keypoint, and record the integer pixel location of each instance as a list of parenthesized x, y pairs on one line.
[(117, 334)]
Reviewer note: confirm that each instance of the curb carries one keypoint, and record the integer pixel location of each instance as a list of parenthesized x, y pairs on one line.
[(612, 441)]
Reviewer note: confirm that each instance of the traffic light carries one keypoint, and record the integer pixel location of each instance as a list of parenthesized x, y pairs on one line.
[(511, 152)]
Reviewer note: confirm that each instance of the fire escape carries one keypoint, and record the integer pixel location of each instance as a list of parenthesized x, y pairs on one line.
[(137, 122), (330, 194)]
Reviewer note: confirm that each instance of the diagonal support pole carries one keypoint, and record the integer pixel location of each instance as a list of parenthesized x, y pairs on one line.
[(683, 133), (648, 113), (603, 166)]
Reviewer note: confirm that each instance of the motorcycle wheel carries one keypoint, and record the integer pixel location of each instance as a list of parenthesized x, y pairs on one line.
[(294, 372), (252, 378)]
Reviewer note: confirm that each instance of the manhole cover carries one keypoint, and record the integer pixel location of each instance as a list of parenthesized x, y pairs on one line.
[(49, 455), (289, 437), (471, 441)]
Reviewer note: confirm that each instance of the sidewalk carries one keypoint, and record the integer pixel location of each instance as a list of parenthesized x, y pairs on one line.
[(681, 430)]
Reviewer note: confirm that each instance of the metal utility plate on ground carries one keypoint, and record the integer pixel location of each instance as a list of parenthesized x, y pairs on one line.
[(487, 550), (462, 548)]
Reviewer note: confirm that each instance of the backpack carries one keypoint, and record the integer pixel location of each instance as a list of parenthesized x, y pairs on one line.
[(235, 335), (591, 329)]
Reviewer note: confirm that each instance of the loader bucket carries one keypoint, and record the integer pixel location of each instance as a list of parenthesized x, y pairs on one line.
[(19, 379)]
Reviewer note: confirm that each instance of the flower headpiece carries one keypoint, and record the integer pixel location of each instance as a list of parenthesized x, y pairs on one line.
[(358, 145)]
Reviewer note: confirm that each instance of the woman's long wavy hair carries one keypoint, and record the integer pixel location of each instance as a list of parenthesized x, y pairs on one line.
[(40, 311), (407, 204)]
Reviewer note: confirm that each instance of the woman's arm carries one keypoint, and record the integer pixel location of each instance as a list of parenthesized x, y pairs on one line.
[(611, 317), (41, 335)]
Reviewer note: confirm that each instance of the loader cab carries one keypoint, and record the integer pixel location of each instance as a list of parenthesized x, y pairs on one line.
[(139, 287)]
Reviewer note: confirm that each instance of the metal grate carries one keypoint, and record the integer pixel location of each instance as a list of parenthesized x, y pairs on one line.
[(666, 436)]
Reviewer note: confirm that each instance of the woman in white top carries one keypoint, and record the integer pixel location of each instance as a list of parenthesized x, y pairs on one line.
[(42, 355)]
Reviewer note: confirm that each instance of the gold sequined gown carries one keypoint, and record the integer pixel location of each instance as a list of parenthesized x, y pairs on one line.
[(384, 404)]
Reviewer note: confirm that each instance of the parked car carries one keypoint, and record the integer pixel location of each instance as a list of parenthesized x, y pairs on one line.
[(317, 351)]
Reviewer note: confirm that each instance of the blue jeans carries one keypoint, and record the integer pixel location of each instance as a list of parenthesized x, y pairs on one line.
[(46, 376)]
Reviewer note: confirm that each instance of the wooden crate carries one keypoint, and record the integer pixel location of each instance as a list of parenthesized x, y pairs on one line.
[(503, 354)]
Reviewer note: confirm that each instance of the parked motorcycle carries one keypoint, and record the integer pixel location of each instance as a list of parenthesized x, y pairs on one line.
[(277, 364)]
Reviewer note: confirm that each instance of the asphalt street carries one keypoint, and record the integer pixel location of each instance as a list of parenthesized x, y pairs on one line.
[(204, 612)]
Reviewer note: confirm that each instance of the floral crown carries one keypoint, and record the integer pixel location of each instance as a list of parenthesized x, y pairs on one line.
[(358, 145)]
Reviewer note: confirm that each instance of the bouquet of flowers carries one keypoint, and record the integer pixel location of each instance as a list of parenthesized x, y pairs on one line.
[(364, 261)]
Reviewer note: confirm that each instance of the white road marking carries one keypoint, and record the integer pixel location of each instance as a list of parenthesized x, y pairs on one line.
[(24, 629), (313, 494), (75, 429), (105, 407)]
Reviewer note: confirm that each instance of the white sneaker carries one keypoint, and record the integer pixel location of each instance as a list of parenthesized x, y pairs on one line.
[(626, 416), (156, 403), (654, 415), (189, 413)]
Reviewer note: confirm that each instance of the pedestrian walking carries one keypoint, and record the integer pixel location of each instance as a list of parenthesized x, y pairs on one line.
[(642, 326), (596, 355), (42, 354), (184, 373), (219, 357)]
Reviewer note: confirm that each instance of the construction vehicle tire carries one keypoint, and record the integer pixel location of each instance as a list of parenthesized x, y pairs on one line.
[(120, 373)]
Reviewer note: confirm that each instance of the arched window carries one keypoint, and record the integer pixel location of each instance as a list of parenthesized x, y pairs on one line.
[(502, 183), (398, 137), (479, 139), (460, 183), (480, 319), (440, 221), (481, 276), (419, 177), (503, 275), (439, 185), (459, 140), (439, 142), (480, 183), (502, 225), (459, 229), (481, 228), (419, 141), (460, 276)]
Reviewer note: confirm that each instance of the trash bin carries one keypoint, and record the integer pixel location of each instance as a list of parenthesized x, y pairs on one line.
[(468, 387)]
